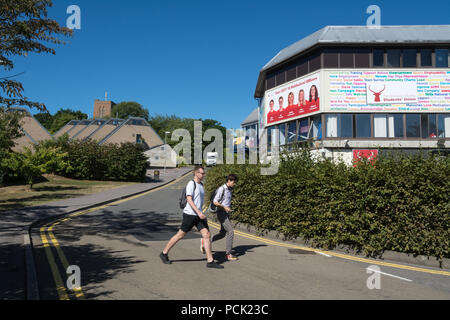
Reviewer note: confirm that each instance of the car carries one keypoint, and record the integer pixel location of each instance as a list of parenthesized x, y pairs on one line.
[(211, 159)]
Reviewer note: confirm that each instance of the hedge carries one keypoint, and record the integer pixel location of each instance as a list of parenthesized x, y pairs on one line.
[(399, 203)]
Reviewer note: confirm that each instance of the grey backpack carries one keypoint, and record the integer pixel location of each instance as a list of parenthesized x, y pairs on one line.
[(183, 199)]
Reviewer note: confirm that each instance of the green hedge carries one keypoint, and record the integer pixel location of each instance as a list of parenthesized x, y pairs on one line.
[(112, 162), (399, 203)]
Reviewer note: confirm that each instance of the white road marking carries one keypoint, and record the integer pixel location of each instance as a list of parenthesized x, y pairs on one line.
[(326, 255), (390, 275)]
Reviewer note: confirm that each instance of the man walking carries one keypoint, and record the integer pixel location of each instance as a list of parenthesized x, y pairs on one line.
[(193, 216), (222, 201)]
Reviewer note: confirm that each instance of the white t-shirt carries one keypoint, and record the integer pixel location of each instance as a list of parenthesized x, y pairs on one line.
[(197, 196)]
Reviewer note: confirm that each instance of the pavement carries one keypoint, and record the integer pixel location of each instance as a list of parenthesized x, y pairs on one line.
[(16, 257)]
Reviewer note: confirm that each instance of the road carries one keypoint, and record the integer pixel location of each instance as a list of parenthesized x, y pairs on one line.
[(117, 249)]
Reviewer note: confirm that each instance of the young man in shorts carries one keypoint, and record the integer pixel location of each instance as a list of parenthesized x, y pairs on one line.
[(193, 216)]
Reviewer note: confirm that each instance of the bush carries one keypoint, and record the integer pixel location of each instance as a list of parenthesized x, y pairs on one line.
[(398, 203), (112, 162)]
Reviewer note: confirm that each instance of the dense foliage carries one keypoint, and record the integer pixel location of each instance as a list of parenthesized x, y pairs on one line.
[(399, 203), (111, 162)]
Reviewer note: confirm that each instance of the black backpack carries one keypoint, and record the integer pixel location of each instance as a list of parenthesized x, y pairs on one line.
[(183, 199), (212, 206)]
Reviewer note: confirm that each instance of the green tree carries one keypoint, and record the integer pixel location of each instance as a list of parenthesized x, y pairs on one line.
[(44, 118), (24, 28), (31, 165), (63, 116), (9, 128), (125, 109)]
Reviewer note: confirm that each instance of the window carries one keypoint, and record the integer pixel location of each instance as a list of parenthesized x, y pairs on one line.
[(444, 125), (282, 128), (316, 127), (378, 58), (380, 126), (138, 138), (409, 58), (270, 137), (395, 123), (292, 131), (442, 57), (362, 126), (314, 62), (346, 127), (425, 58), (413, 125), (291, 72), (303, 129), (330, 59), (331, 125), (270, 81), (347, 60), (393, 58), (302, 68), (281, 77), (432, 126), (362, 58)]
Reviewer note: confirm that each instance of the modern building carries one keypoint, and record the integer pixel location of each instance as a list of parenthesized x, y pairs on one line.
[(33, 131), (251, 123), (355, 90)]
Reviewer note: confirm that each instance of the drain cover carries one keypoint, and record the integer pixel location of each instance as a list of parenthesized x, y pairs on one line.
[(300, 251)]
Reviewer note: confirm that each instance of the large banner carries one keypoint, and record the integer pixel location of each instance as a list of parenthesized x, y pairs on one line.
[(389, 90), (293, 100)]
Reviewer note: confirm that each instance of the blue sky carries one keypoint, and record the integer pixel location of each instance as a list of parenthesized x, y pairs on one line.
[(195, 58)]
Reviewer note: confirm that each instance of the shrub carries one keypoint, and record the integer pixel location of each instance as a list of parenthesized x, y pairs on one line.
[(398, 203)]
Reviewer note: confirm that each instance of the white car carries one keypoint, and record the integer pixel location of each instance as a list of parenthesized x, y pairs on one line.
[(211, 158)]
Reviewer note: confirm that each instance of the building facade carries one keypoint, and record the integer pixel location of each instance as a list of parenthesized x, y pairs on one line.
[(353, 91)]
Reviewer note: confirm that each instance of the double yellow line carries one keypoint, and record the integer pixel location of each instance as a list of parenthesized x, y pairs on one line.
[(46, 233), (334, 254)]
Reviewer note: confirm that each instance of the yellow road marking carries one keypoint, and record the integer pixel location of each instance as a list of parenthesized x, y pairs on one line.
[(60, 288), (338, 255)]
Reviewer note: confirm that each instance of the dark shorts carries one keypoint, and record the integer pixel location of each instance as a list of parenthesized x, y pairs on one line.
[(190, 221)]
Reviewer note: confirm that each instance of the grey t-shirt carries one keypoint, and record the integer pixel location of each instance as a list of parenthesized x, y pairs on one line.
[(198, 196)]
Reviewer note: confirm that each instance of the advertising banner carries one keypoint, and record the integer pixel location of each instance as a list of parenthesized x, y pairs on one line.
[(292, 100), (389, 90)]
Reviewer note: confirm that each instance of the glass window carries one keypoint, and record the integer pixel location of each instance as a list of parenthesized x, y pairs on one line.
[(330, 59), (282, 128), (302, 68), (425, 58), (346, 125), (378, 58), (380, 126), (317, 127), (304, 129), (424, 125), (395, 122), (444, 125), (362, 58), (281, 77), (347, 59), (442, 58), (413, 125), (270, 81), (363, 126), (409, 58), (314, 62), (393, 58), (432, 126), (292, 131), (331, 125)]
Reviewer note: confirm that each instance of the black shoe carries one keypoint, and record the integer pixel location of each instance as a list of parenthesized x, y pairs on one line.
[(165, 258), (214, 264)]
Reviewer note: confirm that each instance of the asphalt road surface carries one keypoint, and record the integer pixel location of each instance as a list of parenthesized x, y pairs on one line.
[(117, 246)]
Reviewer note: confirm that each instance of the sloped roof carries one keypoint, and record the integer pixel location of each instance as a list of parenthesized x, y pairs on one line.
[(252, 118)]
